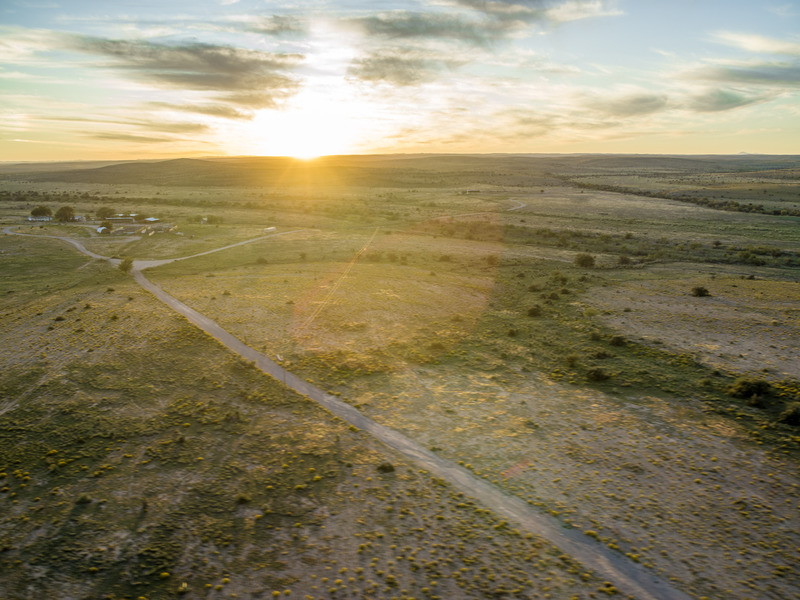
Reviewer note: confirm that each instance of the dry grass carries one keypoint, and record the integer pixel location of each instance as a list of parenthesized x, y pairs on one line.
[(744, 326)]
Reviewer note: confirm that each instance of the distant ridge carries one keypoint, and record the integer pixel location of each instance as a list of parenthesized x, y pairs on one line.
[(389, 171)]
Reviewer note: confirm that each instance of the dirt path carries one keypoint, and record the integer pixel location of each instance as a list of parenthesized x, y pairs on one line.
[(147, 264), (629, 577)]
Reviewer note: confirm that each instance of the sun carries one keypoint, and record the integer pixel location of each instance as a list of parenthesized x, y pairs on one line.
[(309, 127)]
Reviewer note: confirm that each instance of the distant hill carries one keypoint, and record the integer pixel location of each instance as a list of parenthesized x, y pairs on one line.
[(388, 171)]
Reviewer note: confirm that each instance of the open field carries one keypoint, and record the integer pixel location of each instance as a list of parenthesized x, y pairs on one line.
[(138, 456)]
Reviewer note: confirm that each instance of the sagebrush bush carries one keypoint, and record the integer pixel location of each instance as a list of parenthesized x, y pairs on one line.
[(584, 260), (535, 311), (791, 416), (748, 387), (597, 374)]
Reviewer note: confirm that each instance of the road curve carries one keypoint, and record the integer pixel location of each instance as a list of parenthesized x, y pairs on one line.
[(629, 577), (76, 243)]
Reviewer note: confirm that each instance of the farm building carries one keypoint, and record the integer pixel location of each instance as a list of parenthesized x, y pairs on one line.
[(131, 218)]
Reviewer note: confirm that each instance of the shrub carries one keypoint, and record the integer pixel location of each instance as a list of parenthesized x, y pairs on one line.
[(126, 265), (700, 292), (385, 467), (535, 311), (584, 260), (571, 360), (623, 260), (597, 374), (706, 382), (617, 340), (748, 387), (791, 416)]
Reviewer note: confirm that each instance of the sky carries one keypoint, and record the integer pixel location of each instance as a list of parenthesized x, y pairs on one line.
[(90, 79)]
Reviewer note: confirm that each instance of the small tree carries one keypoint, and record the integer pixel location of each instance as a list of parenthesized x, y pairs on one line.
[(584, 260), (65, 214), (108, 225), (42, 211), (126, 265), (104, 212), (700, 292)]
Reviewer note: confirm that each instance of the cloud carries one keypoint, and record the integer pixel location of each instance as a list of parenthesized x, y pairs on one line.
[(399, 67), (408, 25), (250, 78), (526, 123), (631, 105), (212, 110), (774, 74), (151, 125), (126, 137), (758, 43), (719, 100), (529, 11), (278, 25), (522, 10), (575, 10)]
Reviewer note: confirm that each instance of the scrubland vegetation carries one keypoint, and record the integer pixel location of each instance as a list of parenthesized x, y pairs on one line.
[(623, 361)]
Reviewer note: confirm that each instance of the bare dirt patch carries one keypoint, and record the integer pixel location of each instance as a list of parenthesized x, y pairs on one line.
[(742, 326)]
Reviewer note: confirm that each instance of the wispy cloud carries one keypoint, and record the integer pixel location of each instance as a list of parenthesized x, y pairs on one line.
[(400, 67), (717, 100), (250, 78), (150, 125), (774, 74), (574, 10), (505, 10), (629, 105), (127, 137), (213, 110), (400, 25), (276, 25), (758, 43)]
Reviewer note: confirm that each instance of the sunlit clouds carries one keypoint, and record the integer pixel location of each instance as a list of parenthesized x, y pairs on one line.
[(88, 80)]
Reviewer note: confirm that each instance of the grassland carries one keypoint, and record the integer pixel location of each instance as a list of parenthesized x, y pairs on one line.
[(602, 396)]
